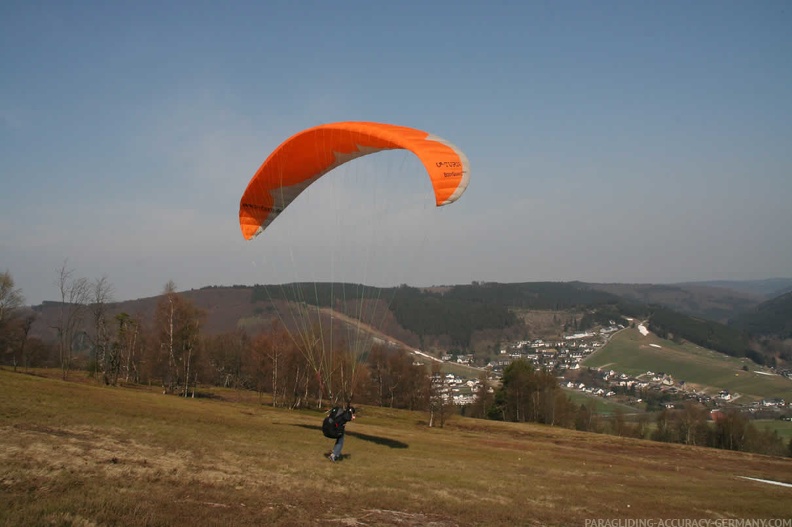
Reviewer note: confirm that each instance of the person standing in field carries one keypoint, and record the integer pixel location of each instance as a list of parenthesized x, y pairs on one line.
[(334, 426)]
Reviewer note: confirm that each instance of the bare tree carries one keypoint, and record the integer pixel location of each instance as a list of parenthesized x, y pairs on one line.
[(126, 346), (395, 380), (692, 424), (166, 310), (227, 355), (15, 325), (190, 336), (101, 295), (276, 360), (24, 332), (732, 430), (484, 398), (440, 400), (11, 299), (274, 353), (178, 324), (74, 293), (379, 371)]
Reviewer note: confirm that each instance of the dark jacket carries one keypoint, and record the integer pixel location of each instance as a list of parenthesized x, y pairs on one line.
[(343, 416), (334, 423)]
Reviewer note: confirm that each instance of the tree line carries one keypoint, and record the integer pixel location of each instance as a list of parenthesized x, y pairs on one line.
[(771, 318), (172, 350)]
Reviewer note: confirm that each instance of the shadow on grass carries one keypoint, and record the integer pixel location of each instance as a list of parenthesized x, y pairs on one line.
[(384, 441)]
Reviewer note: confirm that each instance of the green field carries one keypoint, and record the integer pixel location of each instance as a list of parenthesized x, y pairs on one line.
[(632, 353), (784, 428), (78, 454), (602, 405)]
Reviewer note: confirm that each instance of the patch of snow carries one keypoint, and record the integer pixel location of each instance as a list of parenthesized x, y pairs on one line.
[(643, 330), (655, 345), (422, 354), (770, 481)]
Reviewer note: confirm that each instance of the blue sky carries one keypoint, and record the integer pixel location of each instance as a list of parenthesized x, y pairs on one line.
[(608, 141)]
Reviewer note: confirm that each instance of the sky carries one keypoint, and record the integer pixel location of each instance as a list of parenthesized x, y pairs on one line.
[(641, 142)]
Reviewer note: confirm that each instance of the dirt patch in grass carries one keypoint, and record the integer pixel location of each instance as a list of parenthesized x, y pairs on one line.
[(371, 517)]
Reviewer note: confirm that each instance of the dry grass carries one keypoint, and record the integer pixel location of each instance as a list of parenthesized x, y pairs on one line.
[(77, 454)]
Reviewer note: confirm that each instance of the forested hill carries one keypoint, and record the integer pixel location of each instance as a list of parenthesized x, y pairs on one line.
[(534, 295), (457, 313), (771, 318), (769, 288), (669, 324), (422, 312), (464, 317), (528, 295), (556, 296), (718, 303)]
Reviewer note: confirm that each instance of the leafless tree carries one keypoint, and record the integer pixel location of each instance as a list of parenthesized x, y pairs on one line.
[(75, 293), (440, 402), (276, 362), (379, 372), (11, 299), (393, 379), (484, 398), (25, 326), (226, 356), (126, 343), (101, 295), (178, 325), (693, 424), (274, 353), (166, 312)]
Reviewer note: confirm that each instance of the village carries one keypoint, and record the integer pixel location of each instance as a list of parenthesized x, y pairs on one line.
[(565, 356), (561, 355)]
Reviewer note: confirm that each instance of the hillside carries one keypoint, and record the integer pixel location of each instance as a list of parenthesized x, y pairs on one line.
[(416, 309), (700, 300), (226, 310), (771, 318), (702, 370), (705, 333), (767, 288), (224, 307), (78, 454)]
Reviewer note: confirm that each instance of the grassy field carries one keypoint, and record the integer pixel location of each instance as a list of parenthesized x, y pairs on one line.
[(632, 353), (784, 428), (74, 453), (603, 406)]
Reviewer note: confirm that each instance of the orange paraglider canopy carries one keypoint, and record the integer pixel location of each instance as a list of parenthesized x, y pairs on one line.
[(308, 155)]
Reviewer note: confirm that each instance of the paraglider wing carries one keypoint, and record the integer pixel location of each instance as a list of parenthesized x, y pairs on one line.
[(308, 155)]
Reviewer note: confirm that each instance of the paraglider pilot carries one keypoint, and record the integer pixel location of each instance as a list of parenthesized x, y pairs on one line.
[(334, 425)]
